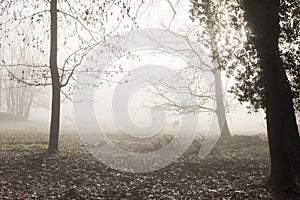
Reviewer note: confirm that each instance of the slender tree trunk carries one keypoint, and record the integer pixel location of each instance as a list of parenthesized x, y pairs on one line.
[(262, 16), (0, 89), (221, 113), (12, 97), (28, 104), (8, 106), (55, 109)]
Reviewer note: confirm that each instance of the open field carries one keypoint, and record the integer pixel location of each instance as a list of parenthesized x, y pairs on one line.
[(236, 169)]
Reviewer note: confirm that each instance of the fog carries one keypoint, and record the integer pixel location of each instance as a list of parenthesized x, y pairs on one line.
[(142, 99), (241, 121)]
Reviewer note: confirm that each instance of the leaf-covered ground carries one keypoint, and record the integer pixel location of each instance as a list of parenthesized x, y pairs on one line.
[(236, 169)]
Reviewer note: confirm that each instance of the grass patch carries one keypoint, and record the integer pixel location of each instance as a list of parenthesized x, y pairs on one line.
[(79, 150), (24, 147)]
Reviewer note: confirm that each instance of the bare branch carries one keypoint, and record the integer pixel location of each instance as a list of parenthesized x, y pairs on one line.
[(81, 23), (23, 18), (26, 82), (174, 13), (23, 65)]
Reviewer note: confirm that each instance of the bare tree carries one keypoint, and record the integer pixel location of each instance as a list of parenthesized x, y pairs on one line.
[(205, 96), (75, 29), (18, 97)]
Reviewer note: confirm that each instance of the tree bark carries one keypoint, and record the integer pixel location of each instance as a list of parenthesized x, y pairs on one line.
[(55, 109), (0, 89), (263, 17), (221, 113)]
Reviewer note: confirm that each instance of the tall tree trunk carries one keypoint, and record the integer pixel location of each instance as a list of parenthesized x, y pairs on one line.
[(55, 109), (7, 97), (29, 103), (263, 17), (221, 113), (0, 89)]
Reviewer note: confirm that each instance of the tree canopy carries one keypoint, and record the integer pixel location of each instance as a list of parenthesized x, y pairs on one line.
[(250, 87)]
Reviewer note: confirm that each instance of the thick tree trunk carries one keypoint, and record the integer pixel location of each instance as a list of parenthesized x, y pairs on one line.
[(221, 113), (55, 109), (262, 16)]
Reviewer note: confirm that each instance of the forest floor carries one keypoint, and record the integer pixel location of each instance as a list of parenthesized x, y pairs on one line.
[(236, 169)]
